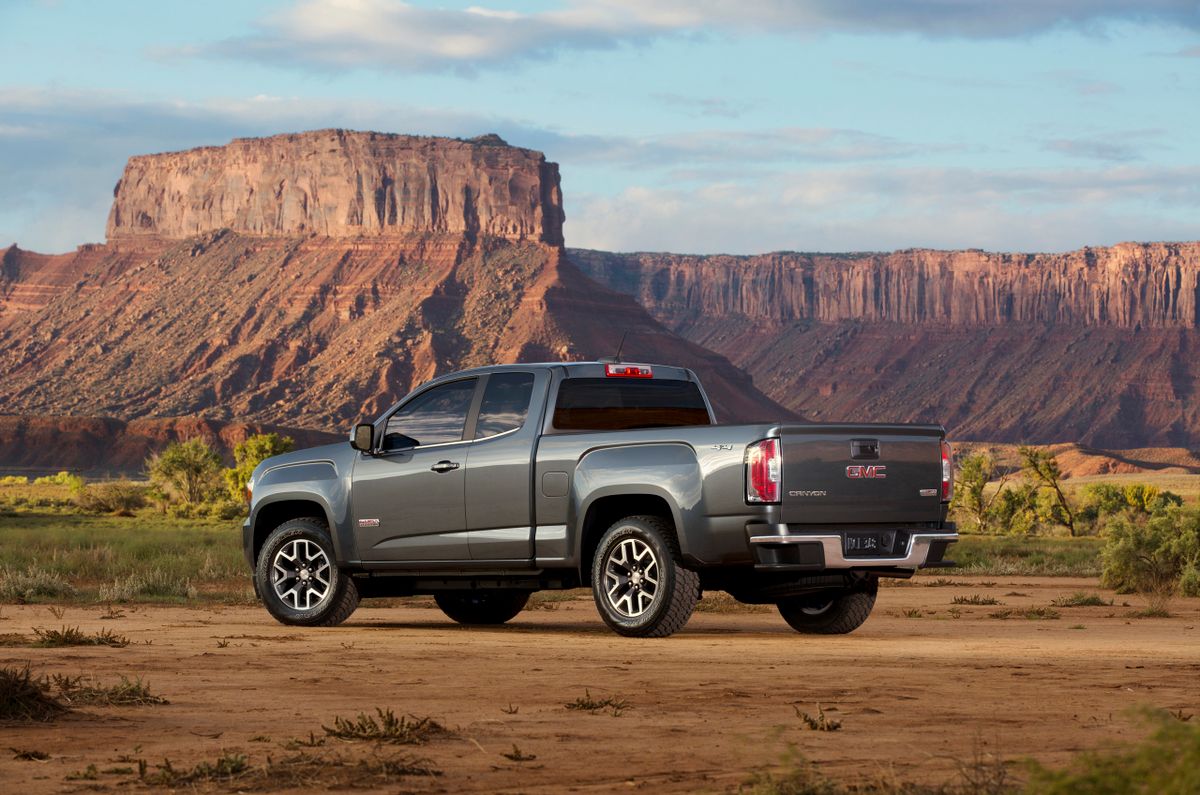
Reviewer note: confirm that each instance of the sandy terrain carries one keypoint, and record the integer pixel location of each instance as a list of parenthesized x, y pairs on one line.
[(706, 707)]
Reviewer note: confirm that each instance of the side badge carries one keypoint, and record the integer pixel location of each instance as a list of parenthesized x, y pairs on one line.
[(368, 523)]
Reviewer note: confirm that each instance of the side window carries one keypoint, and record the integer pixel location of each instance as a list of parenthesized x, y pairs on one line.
[(439, 415), (505, 403)]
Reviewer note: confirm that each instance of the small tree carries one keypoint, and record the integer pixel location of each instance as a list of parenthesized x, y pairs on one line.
[(975, 472), (190, 470), (250, 454), (1157, 557), (1041, 469), (1014, 510)]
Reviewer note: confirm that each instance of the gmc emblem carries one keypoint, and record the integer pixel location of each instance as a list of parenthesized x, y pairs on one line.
[(858, 471)]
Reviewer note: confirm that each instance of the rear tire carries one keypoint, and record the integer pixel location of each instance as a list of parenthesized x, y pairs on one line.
[(640, 587), (484, 608), (828, 614), (297, 576)]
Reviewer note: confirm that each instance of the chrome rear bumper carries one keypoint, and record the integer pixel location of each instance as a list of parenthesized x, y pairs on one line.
[(915, 556)]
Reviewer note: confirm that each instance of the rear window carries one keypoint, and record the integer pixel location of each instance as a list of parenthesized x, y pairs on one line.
[(611, 404)]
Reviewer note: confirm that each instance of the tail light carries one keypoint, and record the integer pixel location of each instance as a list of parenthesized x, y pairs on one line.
[(764, 471), (947, 471)]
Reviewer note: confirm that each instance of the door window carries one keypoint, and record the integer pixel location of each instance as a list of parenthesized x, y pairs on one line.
[(505, 403), (438, 416)]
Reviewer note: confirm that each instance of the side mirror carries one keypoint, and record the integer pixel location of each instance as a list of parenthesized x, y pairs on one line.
[(363, 438)]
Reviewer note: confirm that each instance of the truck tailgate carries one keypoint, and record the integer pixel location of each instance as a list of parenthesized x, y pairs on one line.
[(861, 474)]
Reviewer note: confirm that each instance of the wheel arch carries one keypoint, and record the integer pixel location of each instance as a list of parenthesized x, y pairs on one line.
[(270, 515), (603, 511)]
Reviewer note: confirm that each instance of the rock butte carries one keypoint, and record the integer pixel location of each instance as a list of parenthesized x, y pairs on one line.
[(311, 280)]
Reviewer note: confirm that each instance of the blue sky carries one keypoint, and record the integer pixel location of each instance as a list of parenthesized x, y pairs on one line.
[(682, 125)]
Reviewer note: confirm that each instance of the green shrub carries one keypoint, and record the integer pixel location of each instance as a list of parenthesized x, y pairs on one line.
[(1167, 762), (250, 454), (14, 480), (1154, 555), (61, 479), (119, 496), (188, 472)]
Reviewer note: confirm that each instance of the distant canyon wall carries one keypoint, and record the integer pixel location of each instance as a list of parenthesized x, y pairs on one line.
[(1151, 285)]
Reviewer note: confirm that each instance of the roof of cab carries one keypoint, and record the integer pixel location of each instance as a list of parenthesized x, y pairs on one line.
[(594, 369)]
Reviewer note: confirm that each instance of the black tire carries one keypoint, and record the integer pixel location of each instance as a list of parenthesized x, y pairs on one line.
[(481, 607), (836, 613), (675, 589), (340, 597)]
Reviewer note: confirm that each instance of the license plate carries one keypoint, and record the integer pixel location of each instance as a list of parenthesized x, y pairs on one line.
[(869, 545)]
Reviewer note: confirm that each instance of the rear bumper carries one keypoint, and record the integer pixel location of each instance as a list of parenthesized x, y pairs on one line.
[(775, 547)]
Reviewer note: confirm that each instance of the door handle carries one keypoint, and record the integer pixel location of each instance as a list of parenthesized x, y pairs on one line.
[(444, 466)]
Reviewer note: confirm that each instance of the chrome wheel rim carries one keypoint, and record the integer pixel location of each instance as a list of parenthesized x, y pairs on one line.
[(301, 574), (631, 577), (817, 609)]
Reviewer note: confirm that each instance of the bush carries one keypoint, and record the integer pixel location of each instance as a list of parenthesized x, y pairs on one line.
[(1158, 555), (250, 454), (1168, 762), (189, 471), (1100, 501), (74, 482), (152, 583), (14, 480), (119, 496), (21, 586)]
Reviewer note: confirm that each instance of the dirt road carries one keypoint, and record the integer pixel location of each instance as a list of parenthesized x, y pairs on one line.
[(916, 689)]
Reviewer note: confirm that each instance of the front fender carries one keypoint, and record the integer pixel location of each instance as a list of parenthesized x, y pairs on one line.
[(309, 481)]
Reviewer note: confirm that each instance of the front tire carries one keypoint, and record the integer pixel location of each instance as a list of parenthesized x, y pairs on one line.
[(837, 613), (640, 587), (486, 608), (298, 579)]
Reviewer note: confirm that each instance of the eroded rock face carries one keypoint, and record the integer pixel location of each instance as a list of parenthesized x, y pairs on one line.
[(338, 183), (1126, 286), (1100, 346)]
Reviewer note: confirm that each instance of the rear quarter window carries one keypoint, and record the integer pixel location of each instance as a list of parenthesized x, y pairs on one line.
[(603, 404)]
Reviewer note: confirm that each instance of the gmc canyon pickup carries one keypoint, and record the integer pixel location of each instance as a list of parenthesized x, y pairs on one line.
[(484, 486)]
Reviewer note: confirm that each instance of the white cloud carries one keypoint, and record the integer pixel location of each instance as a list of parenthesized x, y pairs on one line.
[(867, 209), (395, 35)]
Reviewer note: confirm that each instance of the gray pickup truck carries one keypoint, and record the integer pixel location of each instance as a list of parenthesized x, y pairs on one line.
[(484, 486)]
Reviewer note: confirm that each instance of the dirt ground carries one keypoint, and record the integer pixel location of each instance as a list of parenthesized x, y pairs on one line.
[(706, 708)]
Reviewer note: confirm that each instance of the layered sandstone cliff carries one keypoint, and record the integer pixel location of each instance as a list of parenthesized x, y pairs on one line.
[(338, 183), (1100, 346), (1149, 285)]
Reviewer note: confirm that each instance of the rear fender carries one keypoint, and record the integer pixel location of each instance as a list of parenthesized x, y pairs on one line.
[(669, 472)]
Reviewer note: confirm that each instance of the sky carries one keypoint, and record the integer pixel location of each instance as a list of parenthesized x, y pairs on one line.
[(694, 126)]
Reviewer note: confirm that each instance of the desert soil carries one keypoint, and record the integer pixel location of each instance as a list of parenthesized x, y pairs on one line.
[(706, 708)]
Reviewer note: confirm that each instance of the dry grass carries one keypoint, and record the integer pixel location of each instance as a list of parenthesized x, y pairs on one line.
[(72, 636), (76, 691), (1032, 614), (25, 698), (585, 703), (1081, 599), (976, 599), (385, 727), (820, 723)]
